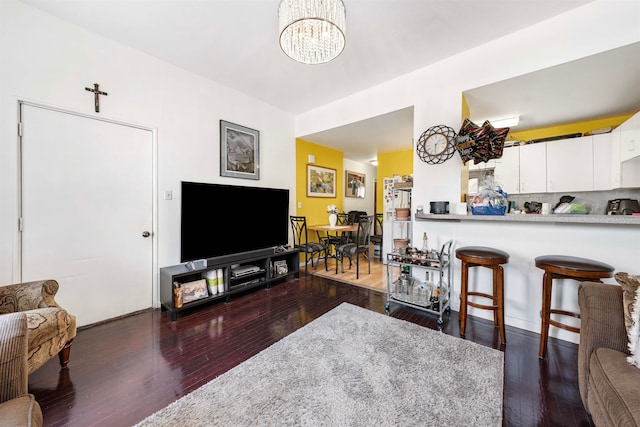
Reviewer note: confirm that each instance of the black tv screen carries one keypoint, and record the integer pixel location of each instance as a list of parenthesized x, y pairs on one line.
[(222, 219)]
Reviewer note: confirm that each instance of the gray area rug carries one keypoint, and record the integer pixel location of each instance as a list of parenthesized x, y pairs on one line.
[(352, 367)]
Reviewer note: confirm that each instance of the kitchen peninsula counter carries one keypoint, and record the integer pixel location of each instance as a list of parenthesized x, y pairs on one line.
[(533, 218), (612, 239)]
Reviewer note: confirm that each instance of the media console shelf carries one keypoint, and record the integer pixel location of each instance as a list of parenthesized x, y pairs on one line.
[(267, 273)]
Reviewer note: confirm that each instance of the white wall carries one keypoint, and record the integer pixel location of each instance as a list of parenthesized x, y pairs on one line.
[(353, 203), (435, 91), (49, 61)]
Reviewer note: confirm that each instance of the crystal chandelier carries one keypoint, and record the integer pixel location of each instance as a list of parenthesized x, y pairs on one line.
[(312, 31)]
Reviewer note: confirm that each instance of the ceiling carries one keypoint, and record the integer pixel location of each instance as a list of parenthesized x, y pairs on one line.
[(235, 43)]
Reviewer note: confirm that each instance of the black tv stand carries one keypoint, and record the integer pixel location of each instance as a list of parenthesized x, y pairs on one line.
[(266, 275)]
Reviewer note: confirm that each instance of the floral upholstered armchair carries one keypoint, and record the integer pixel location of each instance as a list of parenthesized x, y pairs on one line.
[(51, 329), (17, 406)]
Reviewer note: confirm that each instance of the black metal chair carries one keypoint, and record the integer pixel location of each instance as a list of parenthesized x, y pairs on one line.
[(354, 216), (376, 238), (361, 245), (340, 237), (302, 243)]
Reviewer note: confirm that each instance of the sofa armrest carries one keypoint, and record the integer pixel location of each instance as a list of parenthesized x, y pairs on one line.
[(28, 296), (13, 356), (601, 325)]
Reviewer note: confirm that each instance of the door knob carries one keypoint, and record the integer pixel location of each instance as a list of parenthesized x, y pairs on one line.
[(146, 234)]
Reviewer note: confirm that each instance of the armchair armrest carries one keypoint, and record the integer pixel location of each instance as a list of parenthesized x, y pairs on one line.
[(13, 356), (601, 325), (28, 296)]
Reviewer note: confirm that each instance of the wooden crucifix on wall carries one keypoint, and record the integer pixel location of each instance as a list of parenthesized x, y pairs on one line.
[(96, 94)]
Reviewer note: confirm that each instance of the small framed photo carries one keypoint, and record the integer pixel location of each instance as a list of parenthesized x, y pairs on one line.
[(281, 267), (239, 151), (194, 290), (354, 184), (321, 182)]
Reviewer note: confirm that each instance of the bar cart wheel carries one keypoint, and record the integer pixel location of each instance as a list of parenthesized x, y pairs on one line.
[(386, 308)]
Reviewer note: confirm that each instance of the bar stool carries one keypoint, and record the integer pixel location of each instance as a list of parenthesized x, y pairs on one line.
[(564, 267), (480, 256)]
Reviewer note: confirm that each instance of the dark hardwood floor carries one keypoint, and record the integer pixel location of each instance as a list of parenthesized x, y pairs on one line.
[(124, 370)]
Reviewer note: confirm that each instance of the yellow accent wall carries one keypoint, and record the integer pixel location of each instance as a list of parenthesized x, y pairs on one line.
[(465, 109), (315, 208), (568, 128), (390, 164), (550, 131)]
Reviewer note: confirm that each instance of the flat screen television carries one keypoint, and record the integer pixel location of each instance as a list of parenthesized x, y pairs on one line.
[(219, 219)]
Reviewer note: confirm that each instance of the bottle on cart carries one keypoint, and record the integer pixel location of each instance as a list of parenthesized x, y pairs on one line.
[(425, 243), (435, 299), (427, 289)]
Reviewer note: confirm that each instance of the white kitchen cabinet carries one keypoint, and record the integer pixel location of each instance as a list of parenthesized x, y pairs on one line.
[(625, 154), (507, 170), (570, 165), (616, 166), (630, 138), (630, 173), (603, 162), (533, 168)]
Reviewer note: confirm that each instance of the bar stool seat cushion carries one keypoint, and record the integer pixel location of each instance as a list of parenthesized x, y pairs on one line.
[(481, 253), (573, 266)]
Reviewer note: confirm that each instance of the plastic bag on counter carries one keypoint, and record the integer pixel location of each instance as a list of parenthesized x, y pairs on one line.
[(490, 200)]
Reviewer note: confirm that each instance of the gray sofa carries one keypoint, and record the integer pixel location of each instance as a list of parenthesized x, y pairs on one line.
[(609, 385)]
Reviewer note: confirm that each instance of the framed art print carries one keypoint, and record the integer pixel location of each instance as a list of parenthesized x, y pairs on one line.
[(239, 151), (354, 184), (321, 182)]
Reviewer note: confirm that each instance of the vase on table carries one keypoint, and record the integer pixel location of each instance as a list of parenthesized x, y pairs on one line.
[(333, 220)]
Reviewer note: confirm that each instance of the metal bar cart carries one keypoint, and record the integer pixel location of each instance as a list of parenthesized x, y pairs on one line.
[(421, 280)]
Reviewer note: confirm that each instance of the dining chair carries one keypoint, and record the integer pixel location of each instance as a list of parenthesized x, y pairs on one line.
[(376, 237), (354, 216), (339, 237), (302, 243), (359, 246)]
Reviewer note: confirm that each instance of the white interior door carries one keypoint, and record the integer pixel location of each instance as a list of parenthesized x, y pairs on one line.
[(87, 199)]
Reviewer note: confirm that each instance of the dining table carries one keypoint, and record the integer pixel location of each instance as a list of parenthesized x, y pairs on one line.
[(336, 228), (328, 229)]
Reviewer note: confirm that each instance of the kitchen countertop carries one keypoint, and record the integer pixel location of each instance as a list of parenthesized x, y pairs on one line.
[(557, 218)]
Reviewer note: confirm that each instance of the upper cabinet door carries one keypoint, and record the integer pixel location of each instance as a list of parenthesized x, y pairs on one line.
[(630, 138), (533, 168), (507, 170), (603, 178), (570, 165)]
